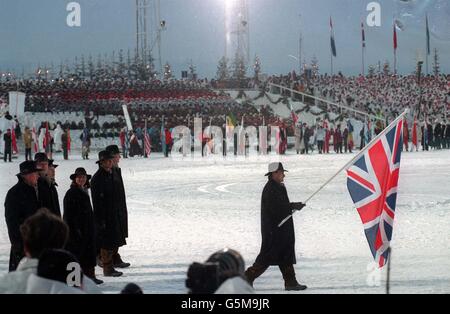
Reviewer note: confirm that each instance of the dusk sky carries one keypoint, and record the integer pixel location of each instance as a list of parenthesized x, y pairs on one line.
[(35, 32)]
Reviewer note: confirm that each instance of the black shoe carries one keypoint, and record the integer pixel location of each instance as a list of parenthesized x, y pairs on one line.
[(97, 281), (122, 265), (113, 273), (297, 287)]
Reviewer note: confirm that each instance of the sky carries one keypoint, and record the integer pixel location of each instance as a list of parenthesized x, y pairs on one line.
[(35, 33)]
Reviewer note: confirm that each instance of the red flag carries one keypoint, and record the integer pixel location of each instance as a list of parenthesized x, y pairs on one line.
[(68, 140), (14, 142), (47, 136), (414, 133), (395, 38)]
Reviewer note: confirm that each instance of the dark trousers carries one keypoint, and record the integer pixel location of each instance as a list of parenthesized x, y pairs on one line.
[(7, 155), (257, 270), (116, 257), (320, 146), (28, 154), (65, 154)]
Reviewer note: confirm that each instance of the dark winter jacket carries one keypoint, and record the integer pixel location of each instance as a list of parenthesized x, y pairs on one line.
[(64, 141), (48, 196), (21, 202), (437, 131), (119, 186), (430, 133), (8, 141), (79, 217), (278, 244), (107, 207), (338, 136)]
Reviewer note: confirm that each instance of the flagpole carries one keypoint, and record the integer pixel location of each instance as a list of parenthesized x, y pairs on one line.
[(331, 63), (395, 61), (363, 47), (349, 163), (363, 70), (428, 41), (395, 49), (388, 274)]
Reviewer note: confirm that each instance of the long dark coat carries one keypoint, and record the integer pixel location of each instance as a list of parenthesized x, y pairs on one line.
[(21, 202), (79, 217), (278, 244), (107, 209), (48, 196), (8, 142), (120, 188)]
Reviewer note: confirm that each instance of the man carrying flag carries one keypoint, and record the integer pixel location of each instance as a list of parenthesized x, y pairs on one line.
[(372, 178)]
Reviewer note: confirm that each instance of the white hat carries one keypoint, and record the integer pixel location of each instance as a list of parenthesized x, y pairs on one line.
[(275, 166)]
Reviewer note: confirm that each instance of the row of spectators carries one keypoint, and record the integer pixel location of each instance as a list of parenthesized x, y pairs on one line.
[(385, 95)]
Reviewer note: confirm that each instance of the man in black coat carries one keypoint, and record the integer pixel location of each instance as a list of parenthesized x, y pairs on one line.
[(48, 196), (447, 134), (64, 143), (123, 213), (21, 202), (437, 135), (79, 217), (278, 243), (8, 146), (107, 209)]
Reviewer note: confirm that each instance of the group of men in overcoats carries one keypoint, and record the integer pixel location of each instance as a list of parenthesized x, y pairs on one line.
[(97, 231)]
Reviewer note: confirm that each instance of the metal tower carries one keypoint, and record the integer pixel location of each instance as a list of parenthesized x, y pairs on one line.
[(237, 35), (148, 31)]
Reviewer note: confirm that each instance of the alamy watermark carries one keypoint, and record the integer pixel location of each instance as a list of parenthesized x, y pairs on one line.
[(237, 142), (74, 17), (373, 18)]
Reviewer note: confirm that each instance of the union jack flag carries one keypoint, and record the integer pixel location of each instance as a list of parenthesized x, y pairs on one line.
[(372, 182)]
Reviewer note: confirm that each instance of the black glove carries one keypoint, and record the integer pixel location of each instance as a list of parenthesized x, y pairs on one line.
[(298, 206)]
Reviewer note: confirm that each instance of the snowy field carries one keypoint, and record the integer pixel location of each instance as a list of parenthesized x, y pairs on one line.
[(180, 212)]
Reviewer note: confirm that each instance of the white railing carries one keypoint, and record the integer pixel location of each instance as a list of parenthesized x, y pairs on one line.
[(303, 95)]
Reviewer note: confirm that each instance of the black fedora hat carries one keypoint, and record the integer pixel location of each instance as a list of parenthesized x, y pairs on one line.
[(80, 172), (40, 157), (27, 167), (275, 166), (104, 155), (113, 149)]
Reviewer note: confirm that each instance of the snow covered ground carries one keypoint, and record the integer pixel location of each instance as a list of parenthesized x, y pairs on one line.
[(180, 212)]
